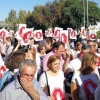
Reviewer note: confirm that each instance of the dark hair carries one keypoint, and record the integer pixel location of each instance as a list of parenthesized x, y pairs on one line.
[(14, 41), (89, 41), (31, 38), (40, 47), (57, 44), (86, 47)]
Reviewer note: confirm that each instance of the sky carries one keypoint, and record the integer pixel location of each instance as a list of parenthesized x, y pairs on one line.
[(17, 5)]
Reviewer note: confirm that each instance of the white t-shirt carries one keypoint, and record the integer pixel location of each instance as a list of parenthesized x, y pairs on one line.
[(56, 84), (75, 64), (87, 84)]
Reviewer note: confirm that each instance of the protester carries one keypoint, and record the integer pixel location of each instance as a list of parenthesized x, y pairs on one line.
[(33, 55), (13, 47), (25, 86), (52, 81), (70, 67), (48, 44), (2, 49), (91, 43), (78, 47), (42, 52), (12, 64), (58, 48), (85, 81)]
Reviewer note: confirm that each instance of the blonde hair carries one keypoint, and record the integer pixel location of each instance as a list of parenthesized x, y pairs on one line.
[(33, 52), (88, 59)]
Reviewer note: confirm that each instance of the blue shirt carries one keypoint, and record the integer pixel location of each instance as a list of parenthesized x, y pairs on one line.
[(14, 91)]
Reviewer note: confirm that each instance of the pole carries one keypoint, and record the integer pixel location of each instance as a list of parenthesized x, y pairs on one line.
[(84, 12), (87, 14)]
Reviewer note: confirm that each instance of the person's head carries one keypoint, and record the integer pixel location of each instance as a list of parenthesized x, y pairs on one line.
[(8, 39), (41, 49), (31, 41), (91, 43), (31, 54), (87, 37), (53, 63), (14, 42), (58, 48), (27, 69), (89, 62), (86, 48), (48, 40), (78, 46), (95, 45), (13, 60)]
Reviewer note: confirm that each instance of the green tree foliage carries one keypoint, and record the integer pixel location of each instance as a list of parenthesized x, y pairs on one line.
[(59, 13), (22, 16), (11, 20)]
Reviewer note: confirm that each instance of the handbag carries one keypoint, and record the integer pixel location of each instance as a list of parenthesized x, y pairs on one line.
[(47, 84)]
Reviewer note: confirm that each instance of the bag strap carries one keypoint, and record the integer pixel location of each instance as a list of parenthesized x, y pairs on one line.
[(47, 84)]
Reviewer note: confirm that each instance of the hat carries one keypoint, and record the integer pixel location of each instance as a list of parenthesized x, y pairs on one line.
[(85, 46)]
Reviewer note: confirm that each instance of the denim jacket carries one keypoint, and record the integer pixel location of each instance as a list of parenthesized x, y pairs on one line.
[(7, 78)]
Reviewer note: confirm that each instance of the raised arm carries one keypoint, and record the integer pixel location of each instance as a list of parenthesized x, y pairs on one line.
[(65, 65)]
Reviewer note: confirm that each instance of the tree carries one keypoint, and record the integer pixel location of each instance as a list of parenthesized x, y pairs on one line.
[(22, 16), (11, 19)]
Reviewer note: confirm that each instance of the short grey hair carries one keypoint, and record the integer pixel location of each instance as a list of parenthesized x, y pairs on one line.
[(28, 62)]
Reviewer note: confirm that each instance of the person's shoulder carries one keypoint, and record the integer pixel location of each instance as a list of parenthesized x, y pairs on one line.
[(10, 87), (48, 54), (75, 61), (43, 74), (77, 73), (61, 72)]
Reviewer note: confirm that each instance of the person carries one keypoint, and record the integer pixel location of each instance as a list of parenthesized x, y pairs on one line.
[(70, 67), (2, 49), (78, 47), (85, 80), (13, 47), (96, 47), (25, 86), (52, 81), (33, 55), (42, 52), (91, 43), (58, 48), (11, 64)]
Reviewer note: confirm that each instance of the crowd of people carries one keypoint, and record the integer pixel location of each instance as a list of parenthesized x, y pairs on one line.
[(50, 71)]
